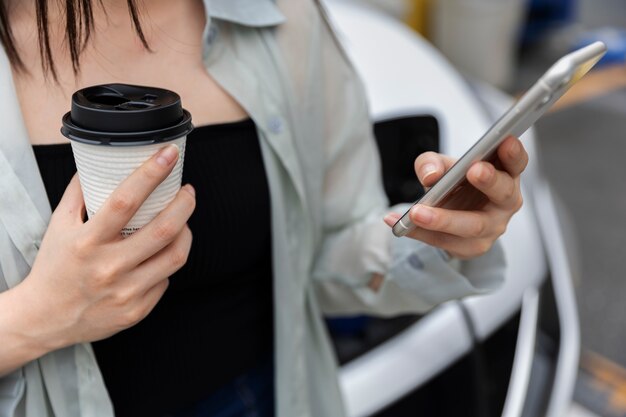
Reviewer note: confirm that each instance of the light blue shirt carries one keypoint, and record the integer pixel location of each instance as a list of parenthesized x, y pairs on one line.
[(282, 63)]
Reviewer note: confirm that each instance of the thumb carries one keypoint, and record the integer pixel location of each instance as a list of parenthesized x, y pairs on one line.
[(71, 208)]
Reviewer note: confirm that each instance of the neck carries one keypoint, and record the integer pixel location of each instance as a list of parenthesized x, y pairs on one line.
[(157, 17), (167, 26)]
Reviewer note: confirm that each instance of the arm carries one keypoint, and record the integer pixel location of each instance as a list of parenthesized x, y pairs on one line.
[(20, 328), (360, 266), (374, 272)]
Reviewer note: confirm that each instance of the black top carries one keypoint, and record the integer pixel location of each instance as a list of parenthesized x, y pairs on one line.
[(215, 320)]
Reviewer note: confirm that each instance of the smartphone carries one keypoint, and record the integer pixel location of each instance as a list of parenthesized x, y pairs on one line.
[(530, 107)]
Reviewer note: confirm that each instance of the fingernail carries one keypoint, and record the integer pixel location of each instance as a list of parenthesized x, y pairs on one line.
[(422, 214), (388, 219), (167, 155), (189, 188), (427, 170)]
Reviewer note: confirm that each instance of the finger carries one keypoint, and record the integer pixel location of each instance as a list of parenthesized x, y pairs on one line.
[(122, 204), (499, 187), (391, 218), (457, 247), (467, 224), (430, 166), (153, 295), (147, 302), (71, 208), (162, 230), (169, 260), (513, 156)]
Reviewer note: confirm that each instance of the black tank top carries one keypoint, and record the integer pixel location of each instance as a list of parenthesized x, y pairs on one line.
[(215, 321)]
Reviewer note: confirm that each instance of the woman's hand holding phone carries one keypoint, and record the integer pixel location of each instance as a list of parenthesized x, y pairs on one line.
[(461, 187), (490, 198)]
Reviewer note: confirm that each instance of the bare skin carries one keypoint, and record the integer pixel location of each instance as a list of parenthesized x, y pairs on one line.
[(87, 282), (115, 54)]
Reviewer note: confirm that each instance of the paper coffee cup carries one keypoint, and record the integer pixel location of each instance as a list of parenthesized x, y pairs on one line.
[(115, 128)]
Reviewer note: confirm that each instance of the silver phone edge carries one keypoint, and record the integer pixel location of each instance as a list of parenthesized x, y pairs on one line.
[(399, 229), (550, 83)]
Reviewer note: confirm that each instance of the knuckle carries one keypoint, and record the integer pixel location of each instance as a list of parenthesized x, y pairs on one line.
[(105, 275), (123, 298), (133, 316), (101, 279), (178, 257), (165, 230), (84, 245), (509, 192), (152, 172), (504, 194), (159, 289), (478, 228), (483, 246), (121, 203)]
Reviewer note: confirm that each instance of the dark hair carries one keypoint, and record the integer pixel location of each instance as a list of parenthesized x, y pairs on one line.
[(79, 24)]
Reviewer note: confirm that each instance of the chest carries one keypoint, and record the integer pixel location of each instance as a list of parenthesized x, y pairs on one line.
[(43, 101)]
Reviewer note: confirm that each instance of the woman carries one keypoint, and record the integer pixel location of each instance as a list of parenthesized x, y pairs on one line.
[(273, 96)]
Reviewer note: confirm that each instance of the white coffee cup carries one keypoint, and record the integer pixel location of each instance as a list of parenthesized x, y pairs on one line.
[(115, 128)]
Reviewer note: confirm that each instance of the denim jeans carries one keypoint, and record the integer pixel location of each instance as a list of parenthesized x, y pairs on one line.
[(250, 395)]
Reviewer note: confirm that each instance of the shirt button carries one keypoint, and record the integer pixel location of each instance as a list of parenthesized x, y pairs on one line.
[(416, 262), (275, 125), (212, 34)]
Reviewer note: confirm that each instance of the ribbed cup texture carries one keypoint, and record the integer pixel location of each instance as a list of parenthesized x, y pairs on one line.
[(101, 169)]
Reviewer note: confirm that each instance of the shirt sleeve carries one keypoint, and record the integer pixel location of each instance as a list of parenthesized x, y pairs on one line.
[(417, 276), (355, 242)]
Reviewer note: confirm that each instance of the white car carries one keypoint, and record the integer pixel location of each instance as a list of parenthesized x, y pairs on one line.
[(511, 353)]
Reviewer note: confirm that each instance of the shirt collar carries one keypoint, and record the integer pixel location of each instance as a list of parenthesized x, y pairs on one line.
[(254, 13)]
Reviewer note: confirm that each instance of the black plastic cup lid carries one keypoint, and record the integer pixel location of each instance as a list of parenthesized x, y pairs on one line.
[(125, 115)]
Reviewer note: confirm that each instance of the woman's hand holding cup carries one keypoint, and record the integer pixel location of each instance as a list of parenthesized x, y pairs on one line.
[(88, 282)]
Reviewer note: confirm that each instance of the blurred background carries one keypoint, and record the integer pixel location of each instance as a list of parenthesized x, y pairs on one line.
[(582, 147)]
